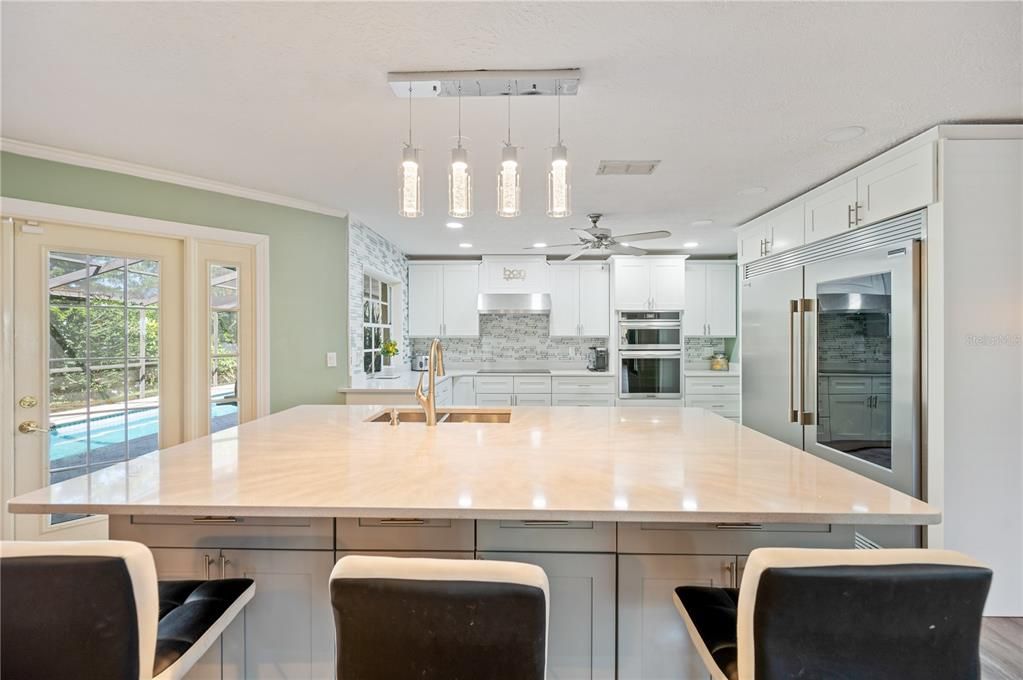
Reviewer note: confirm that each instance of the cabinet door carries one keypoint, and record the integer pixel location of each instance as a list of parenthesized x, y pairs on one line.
[(532, 400), (881, 418), (694, 321), (287, 630), (594, 300), (632, 284), (829, 213), (786, 230), (461, 290), (667, 283), (849, 416), (425, 299), (494, 399), (751, 243), (564, 300), (652, 640), (173, 564), (581, 633), (898, 186), (721, 285), (464, 393)]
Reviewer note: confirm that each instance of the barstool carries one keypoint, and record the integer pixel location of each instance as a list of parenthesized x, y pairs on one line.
[(94, 610), (436, 619), (878, 614)]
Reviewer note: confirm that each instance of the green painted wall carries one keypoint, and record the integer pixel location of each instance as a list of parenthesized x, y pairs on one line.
[(308, 260)]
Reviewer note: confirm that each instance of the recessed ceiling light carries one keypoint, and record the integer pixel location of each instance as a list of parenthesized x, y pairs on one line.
[(465, 245), (702, 223), (752, 191), (453, 225), (690, 244), (539, 245), (844, 134)]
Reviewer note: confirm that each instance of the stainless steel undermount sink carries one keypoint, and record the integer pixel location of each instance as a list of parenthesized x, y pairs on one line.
[(462, 415)]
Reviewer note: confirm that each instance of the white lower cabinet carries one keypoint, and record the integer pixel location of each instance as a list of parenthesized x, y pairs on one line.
[(463, 390), (287, 630), (850, 416), (179, 564), (652, 640), (581, 634)]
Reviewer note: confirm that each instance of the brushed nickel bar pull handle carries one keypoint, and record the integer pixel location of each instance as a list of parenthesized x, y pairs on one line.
[(223, 566), (210, 519), (545, 522), (857, 212), (849, 216), (739, 525), (793, 413), (399, 521), (206, 560)]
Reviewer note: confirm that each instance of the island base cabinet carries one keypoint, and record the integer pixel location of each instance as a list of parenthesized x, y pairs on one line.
[(287, 629), (581, 634), (652, 640)]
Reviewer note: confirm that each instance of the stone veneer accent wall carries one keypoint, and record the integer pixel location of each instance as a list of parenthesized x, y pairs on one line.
[(512, 337), (369, 252)]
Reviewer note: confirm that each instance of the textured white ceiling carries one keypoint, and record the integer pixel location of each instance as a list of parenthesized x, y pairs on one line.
[(292, 98)]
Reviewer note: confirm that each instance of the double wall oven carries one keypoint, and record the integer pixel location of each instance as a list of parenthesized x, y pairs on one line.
[(650, 355)]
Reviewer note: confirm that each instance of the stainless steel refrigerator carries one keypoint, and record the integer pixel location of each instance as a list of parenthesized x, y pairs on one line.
[(831, 355)]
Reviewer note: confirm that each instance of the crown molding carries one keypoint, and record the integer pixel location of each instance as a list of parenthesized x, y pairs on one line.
[(52, 153)]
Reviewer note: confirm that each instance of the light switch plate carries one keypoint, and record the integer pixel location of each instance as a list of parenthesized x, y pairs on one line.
[(331, 359)]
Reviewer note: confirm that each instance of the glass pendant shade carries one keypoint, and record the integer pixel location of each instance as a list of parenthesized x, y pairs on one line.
[(459, 184), (558, 189), (410, 199), (509, 194)]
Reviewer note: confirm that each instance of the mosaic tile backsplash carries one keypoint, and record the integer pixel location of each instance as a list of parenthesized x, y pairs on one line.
[(368, 251), (854, 342), (512, 337), (699, 350)]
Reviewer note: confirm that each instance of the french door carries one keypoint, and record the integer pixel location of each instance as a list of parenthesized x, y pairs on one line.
[(123, 343)]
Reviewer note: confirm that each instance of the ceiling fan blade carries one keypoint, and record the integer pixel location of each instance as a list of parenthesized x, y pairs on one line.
[(642, 236), (554, 245), (619, 249), (576, 254), (584, 234)]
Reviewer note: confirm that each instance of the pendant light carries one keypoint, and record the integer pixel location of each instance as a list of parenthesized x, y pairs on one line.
[(559, 200), (509, 194), (410, 196), (459, 175)]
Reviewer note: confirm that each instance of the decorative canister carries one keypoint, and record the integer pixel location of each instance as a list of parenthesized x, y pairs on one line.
[(718, 362)]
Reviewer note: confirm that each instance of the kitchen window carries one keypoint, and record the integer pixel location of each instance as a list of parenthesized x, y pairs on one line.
[(377, 320)]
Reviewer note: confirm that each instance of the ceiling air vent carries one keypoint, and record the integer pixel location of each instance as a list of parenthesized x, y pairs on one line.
[(626, 167)]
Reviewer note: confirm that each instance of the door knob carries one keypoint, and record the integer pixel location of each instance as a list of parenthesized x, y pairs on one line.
[(29, 426)]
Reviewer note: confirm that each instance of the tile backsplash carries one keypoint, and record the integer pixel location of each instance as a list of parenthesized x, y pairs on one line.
[(854, 342), (700, 349), (510, 338)]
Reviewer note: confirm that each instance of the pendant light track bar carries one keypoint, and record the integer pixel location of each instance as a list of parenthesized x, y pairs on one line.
[(484, 83)]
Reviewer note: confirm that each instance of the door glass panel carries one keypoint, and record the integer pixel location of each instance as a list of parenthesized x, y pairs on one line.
[(652, 375), (103, 387), (224, 349), (854, 367)]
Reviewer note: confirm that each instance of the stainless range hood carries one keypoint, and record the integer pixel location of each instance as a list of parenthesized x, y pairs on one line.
[(514, 303)]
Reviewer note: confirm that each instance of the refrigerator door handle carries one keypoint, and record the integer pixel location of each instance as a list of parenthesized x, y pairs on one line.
[(805, 307), (795, 306)]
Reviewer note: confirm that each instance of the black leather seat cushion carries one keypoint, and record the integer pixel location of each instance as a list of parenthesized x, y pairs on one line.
[(187, 610), (713, 612)]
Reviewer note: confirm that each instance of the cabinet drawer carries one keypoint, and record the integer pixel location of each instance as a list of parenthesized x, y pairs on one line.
[(495, 384), (494, 399), (851, 385), (527, 384), (532, 400), (723, 405), (545, 536), (405, 533), (582, 400), (678, 538), (722, 385), (881, 385), (583, 385), (292, 533)]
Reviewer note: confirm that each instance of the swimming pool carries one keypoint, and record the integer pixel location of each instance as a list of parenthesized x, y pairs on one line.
[(115, 435)]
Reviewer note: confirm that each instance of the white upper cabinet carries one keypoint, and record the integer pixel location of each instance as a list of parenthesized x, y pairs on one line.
[(751, 242), (832, 212), (785, 230), (521, 274), (649, 282), (710, 299), (580, 300), (443, 300), (902, 184)]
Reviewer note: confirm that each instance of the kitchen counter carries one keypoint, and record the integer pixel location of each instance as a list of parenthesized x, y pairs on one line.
[(707, 373), (638, 464)]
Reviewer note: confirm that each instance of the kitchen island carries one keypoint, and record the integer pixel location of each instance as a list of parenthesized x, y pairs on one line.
[(618, 505)]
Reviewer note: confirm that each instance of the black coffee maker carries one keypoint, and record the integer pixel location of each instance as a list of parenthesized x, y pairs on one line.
[(596, 360)]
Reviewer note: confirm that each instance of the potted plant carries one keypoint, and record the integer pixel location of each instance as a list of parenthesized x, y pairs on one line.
[(388, 350)]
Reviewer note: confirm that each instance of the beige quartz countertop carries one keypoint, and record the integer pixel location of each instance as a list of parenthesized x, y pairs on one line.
[(614, 464)]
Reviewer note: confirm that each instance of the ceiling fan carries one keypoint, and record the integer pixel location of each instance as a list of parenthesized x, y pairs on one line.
[(600, 239)]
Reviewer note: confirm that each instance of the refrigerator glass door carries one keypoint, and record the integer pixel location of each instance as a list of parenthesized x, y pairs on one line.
[(861, 379)]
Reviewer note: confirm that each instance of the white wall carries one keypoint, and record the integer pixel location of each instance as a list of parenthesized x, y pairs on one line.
[(975, 401)]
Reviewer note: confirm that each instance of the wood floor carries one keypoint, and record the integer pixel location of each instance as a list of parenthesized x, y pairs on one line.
[(1001, 649)]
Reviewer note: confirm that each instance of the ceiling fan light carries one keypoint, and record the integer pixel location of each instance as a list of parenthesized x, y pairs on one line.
[(558, 187), (459, 184), (410, 195), (509, 193)]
